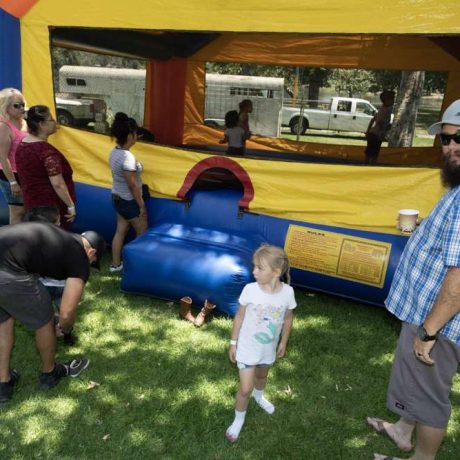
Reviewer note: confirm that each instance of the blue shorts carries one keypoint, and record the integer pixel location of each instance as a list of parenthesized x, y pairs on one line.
[(242, 366), (9, 198), (128, 209)]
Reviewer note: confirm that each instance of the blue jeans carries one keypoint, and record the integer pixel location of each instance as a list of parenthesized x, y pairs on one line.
[(10, 199)]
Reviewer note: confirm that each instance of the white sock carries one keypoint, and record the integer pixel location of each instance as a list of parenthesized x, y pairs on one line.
[(266, 405), (233, 431)]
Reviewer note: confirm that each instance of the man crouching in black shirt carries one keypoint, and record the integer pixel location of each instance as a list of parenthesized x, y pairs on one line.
[(29, 251)]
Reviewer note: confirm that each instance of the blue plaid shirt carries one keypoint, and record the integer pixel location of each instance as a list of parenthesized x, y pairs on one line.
[(430, 251)]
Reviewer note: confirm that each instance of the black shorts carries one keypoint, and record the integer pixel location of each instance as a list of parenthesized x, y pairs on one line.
[(23, 297), (374, 144), (128, 209), (235, 151)]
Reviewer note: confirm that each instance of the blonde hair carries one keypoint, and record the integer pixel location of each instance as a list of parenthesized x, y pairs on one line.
[(5, 100), (275, 258)]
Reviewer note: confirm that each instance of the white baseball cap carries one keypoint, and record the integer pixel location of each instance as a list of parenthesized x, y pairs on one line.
[(451, 116)]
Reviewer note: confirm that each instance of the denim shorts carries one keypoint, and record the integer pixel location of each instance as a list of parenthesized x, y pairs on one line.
[(9, 198), (242, 366), (128, 209)]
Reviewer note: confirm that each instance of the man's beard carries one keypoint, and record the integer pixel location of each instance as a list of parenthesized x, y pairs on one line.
[(450, 173)]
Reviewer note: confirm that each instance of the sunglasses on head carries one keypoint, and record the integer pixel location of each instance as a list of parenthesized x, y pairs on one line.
[(446, 138), (18, 105)]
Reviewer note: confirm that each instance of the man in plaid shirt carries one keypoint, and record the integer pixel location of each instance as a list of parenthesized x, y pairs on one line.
[(425, 296)]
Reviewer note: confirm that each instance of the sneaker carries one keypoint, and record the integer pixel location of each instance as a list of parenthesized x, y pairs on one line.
[(68, 369), (6, 388), (76, 366), (116, 268)]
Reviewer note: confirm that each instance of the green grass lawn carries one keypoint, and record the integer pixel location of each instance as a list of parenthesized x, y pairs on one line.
[(165, 390), (421, 138)]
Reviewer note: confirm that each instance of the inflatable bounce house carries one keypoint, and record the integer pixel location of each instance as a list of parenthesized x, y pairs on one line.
[(208, 212)]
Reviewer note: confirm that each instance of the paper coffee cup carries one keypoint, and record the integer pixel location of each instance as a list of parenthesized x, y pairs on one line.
[(408, 220)]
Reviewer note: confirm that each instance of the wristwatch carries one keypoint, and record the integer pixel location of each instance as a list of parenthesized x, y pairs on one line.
[(423, 335)]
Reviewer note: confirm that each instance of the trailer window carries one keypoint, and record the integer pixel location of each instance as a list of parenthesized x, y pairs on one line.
[(75, 82), (251, 92)]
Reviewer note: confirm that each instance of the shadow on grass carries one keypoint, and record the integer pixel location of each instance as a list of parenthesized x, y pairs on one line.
[(166, 389)]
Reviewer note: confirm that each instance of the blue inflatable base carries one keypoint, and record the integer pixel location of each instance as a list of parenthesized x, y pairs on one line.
[(171, 261), (204, 244)]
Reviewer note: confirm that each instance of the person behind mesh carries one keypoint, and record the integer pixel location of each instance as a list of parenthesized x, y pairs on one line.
[(234, 134)]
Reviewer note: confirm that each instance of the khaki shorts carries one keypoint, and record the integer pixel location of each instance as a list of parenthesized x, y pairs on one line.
[(23, 297), (418, 392)]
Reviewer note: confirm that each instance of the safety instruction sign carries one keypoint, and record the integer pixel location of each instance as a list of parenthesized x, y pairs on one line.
[(334, 254)]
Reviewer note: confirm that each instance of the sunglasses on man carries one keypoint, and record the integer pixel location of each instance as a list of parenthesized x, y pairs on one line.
[(446, 138), (18, 105)]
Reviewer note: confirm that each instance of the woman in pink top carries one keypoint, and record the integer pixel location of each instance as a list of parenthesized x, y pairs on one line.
[(12, 131)]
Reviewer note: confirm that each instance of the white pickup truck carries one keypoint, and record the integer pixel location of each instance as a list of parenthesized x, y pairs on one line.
[(338, 114), (78, 111)]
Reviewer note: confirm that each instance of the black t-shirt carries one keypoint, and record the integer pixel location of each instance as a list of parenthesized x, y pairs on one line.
[(43, 249)]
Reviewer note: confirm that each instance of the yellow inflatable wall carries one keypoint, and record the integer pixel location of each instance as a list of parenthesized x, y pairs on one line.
[(387, 34)]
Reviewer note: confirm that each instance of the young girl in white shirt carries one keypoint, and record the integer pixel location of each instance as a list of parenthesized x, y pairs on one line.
[(265, 313)]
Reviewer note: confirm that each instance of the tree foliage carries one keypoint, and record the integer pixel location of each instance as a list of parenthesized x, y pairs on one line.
[(351, 82), (435, 82), (384, 79)]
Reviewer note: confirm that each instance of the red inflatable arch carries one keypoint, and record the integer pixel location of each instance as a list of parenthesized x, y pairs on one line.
[(219, 162)]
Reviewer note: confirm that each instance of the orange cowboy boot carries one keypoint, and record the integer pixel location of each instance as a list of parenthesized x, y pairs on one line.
[(208, 307), (185, 309)]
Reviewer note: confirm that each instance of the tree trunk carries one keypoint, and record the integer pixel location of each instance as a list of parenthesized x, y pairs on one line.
[(313, 93), (406, 108)]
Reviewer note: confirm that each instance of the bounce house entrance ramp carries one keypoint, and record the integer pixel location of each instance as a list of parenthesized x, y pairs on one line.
[(172, 260)]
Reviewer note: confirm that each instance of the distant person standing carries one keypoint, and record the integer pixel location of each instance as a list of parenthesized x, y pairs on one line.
[(234, 134), (243, 119), (12, 131), (378, 127)]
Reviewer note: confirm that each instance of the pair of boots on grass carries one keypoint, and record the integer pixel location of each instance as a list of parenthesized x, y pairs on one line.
[(186, 311)]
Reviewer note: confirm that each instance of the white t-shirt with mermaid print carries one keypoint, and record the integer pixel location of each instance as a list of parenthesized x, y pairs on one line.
[(262, 323)]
